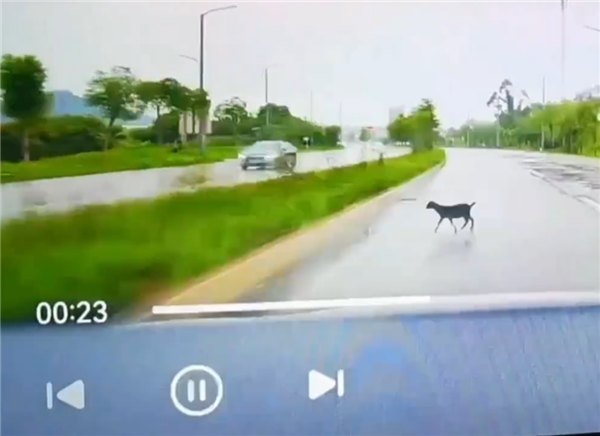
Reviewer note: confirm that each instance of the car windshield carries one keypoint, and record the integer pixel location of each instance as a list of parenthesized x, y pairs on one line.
[(265, 147), (469, 163)]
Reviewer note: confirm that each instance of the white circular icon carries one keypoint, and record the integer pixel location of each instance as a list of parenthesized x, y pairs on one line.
[(206, 372)]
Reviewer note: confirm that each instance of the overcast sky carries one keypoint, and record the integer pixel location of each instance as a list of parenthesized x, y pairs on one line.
[(364, 57)]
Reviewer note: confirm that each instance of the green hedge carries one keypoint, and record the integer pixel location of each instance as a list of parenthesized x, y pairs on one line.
[(143, 134), (55, 136), (227, 141)]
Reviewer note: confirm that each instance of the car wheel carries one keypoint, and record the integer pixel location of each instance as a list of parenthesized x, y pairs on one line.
[(244, 167)]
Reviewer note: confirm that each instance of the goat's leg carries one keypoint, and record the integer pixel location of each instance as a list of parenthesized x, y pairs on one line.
[(452, 222), (466, 222), (439, 222)]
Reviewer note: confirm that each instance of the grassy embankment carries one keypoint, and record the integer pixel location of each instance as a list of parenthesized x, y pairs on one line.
[(121, 253)]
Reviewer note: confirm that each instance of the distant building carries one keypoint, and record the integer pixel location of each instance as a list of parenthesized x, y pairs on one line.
[(395, 112)]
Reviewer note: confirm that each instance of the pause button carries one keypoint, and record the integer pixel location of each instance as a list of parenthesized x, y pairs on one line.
[(196, 390)]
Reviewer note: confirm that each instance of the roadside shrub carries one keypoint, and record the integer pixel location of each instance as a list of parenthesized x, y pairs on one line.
[(221, 141), (143, 134), (55, 136), (226, 141), (332, 134), (169, 127)]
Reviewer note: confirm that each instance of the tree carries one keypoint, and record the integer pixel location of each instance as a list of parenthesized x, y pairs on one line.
[(424, 126), (233, 109), (115, 95), (332, 134), (167, 94), (277, 113), (365, 134), (152, 94), (231, 115), (400, 129), (420, 127), (23, 96)]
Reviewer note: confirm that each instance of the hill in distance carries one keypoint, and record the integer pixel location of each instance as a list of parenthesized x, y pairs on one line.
[(67, 103)]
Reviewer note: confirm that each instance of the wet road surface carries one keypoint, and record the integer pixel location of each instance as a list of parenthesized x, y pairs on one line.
[(537, 228), (63, 194)]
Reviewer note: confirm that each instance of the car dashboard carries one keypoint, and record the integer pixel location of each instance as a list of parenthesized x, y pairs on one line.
[(520, 371)]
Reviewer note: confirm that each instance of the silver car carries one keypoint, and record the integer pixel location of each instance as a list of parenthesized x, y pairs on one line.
[(269, 154)]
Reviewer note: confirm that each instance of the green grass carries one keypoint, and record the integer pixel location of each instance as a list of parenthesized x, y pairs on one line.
[(118, 159), (123, 252)]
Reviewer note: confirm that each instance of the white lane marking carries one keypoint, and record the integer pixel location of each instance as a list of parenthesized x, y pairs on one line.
[(536, 174), (590, 202), (191, 309)]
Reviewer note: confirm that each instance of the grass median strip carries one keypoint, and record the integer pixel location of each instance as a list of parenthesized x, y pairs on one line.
[(121, 253), (123, 159), (118, 159)]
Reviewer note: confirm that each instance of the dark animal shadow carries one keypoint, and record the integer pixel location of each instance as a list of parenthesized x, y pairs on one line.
[(451, 247)]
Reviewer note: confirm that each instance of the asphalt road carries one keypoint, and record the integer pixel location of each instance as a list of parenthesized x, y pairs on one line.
[(536, 229), (63, 194)]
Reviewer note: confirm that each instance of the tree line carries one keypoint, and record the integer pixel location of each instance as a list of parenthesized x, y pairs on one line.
[(118, 94), (121, 96), (569, 126)]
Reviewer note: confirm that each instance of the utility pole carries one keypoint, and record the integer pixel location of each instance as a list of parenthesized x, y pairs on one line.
[(563, 6), (201, 54), (498, 132), (544, 106), (267, 108), (312, 134), (341, 124)]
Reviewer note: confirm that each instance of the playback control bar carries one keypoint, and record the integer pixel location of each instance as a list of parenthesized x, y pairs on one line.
[(325, 376)]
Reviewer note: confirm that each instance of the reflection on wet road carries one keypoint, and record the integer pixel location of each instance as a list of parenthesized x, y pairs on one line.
[(57, 195), (533, 233)]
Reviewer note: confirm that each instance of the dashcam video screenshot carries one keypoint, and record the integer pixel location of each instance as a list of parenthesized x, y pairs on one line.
[(338, 218)]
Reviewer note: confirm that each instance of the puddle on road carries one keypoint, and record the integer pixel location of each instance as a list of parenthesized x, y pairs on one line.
[(586, 177)]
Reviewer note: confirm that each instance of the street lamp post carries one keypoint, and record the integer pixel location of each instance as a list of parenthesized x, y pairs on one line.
[(267, 108), (267, 96), (201, 66), (544, 106)]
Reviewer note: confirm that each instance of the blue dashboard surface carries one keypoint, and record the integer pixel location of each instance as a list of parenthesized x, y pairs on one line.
[(519, 372)]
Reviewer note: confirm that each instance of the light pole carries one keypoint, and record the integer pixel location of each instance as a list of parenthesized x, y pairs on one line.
[(267, 108), (201, 66), (210, 11), (544, 106), (563, 6)]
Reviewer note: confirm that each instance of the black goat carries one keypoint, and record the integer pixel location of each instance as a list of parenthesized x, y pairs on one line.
[(450, 212)]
